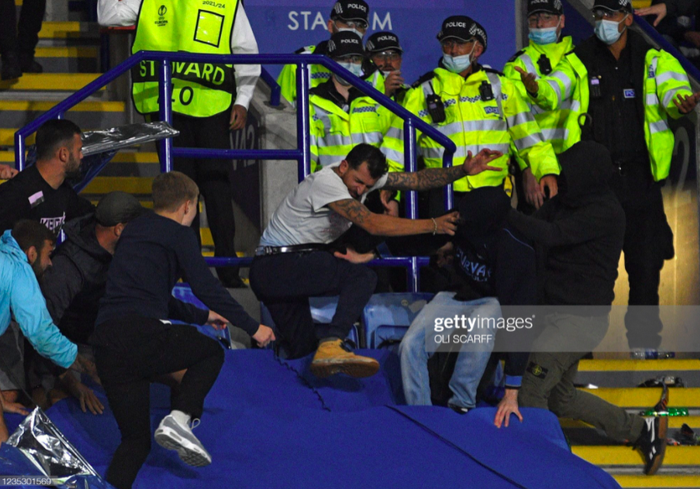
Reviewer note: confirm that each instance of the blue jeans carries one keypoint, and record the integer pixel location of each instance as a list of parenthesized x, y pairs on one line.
[(470, 364)]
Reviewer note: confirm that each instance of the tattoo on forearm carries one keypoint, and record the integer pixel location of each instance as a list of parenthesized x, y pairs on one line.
[(425, 179), (351, 210)]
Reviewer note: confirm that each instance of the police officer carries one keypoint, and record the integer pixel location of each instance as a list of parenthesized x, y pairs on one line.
[(625, 91), (204, 106), (341, 115), (543, 54), (385, 54), (346, 16), (476, 108)]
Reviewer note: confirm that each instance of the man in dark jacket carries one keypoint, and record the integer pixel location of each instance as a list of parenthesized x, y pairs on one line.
[(578, 235), (495, 266), (75, 283)]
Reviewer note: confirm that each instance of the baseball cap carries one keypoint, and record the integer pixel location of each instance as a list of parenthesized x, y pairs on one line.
[(547, 6), (464, 28), (117, 207), (345, 44), (350, 10), (613, 5), (382, 41)]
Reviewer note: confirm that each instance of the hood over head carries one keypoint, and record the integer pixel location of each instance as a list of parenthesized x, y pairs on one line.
[(585, 171), (482, 212)]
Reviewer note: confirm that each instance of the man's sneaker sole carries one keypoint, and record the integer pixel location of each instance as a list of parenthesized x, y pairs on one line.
[(353, 367), (188, 452), (663, 428)]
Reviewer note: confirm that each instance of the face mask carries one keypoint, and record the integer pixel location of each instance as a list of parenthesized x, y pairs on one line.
[(607, 30), (457, 64), (546, 35), (386, 73), (353, 68)]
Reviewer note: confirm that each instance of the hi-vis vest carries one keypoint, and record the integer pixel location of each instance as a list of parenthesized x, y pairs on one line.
[(503, 123), (287, 80), (335, 131), (532, 59), (192, 26), (664, 80)]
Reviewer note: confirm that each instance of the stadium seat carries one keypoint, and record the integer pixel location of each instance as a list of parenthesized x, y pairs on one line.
[(387, 316)]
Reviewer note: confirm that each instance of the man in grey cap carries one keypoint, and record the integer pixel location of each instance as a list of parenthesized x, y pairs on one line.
[(346, 16), (75, 283)]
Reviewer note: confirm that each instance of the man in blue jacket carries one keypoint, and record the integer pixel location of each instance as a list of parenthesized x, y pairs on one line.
[(25, 255)]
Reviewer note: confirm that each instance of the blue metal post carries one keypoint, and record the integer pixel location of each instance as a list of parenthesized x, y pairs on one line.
[(165, 92), (275, 89), (20, 159), (410, 157), (303, 137), (449, 189)]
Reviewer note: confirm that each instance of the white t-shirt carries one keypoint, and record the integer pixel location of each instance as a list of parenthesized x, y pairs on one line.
[(303, 216)]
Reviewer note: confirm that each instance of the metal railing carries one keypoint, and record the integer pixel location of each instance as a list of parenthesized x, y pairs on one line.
[(302, 154)]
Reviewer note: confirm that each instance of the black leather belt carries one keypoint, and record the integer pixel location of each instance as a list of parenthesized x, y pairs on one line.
[(278, 250)]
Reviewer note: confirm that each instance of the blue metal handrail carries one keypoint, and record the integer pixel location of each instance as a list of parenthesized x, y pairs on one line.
[(302, 154)]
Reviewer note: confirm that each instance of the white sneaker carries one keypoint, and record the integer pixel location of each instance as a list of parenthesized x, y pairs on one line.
[(176, 436)]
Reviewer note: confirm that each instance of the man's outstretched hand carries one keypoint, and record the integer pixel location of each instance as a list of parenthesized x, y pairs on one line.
[(529, 80), (474, 165)]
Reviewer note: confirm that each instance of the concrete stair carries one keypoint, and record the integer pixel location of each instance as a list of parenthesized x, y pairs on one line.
[(615, 380)]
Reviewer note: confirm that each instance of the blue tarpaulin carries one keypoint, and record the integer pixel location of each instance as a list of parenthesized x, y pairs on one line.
[(269, 423)]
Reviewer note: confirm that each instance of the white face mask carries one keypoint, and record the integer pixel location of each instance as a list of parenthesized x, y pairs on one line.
[(355, 69), (387, 73), (607, 30), (458, 64)]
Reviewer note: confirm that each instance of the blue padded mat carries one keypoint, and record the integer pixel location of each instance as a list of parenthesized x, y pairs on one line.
[(271, 424)]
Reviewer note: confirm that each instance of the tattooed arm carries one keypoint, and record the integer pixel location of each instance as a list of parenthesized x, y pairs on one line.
[(385, 225), (439, 177)]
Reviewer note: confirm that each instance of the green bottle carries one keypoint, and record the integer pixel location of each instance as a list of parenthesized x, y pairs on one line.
[(668, 412)]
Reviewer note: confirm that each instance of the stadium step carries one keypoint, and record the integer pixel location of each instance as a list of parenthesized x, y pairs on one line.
[(640, 481), (54, 82), (72, 59), (69, 30), (17, 113), (609, 373)]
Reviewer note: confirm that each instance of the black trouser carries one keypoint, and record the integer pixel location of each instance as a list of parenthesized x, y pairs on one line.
[(132, 352), (648, 242), (212, 177), (30, 20), (285, 282)]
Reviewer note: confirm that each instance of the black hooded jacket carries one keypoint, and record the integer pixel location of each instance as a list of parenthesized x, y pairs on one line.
[(75, 283), (579, 233)]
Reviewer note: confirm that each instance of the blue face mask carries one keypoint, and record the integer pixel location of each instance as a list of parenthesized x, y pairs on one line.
[(457, 64), (355, 69), (546, 35), (607, 30)]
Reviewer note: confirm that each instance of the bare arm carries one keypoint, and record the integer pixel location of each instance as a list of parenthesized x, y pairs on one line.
[(439, 177), (385, 225)]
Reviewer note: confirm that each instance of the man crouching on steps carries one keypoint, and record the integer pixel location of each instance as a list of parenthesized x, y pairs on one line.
[(136, 345), (294, 261)]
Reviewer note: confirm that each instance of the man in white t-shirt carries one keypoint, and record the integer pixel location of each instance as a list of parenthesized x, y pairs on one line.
[(294, 261)]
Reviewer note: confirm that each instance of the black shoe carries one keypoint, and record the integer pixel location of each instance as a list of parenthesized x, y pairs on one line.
[(458, 409), (28, 65), (652, 443), (11, 69)]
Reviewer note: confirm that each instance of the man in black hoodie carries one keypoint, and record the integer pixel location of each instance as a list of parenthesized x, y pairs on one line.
[(75, 283), (578, 236), (496, 267)]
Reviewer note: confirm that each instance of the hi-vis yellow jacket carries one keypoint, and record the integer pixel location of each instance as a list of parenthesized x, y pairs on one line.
[(531, 59), (192, 26), (503, 123), (664, 79), (336, 127), (287, 78)]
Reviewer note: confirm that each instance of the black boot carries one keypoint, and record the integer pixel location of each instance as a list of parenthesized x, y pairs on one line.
[(28, 65), (10, 67)]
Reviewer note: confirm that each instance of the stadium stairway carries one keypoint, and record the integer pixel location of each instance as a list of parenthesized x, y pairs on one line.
[(616, 382), (69, 53)]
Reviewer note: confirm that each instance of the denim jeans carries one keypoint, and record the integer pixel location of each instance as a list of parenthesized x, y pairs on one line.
[(470, 364)]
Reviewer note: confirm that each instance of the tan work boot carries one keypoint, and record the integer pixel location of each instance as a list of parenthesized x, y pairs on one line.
[(334, 357)]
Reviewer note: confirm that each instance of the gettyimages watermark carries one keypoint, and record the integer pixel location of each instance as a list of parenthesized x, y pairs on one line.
[(482, 327)]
